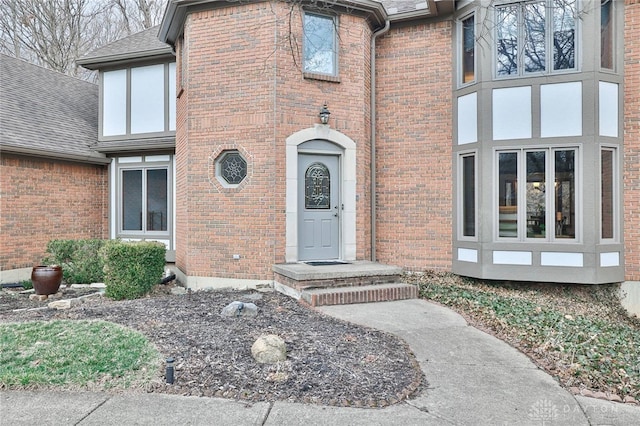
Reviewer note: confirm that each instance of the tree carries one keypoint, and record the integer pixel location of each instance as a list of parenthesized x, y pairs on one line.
[(54, 33)]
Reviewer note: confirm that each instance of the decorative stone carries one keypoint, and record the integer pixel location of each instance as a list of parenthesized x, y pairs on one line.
[(98, 285), (38, 297), (269, 349), (64, 304), (178, 290), (239, 309)]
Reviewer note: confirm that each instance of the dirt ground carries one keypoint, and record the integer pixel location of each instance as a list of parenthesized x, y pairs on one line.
[(328, 362)]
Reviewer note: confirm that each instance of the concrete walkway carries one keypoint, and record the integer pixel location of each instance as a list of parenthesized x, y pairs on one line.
[(474, 379)]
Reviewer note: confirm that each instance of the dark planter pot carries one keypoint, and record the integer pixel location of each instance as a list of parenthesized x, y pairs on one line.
[(46, 279)]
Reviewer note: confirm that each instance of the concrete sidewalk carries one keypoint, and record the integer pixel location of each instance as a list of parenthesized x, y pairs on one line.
[(474, 379)]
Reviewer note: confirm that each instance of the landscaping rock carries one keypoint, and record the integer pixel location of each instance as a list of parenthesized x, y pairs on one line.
[(269, 349), (38, 297), (64, 304), (98, 285), (239, 309), (178, 290)]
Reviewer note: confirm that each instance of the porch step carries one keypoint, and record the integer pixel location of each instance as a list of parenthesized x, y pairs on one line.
[(359, 294)]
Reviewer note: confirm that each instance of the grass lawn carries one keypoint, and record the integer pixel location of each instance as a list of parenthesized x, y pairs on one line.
[(580, 334), (82, 354)]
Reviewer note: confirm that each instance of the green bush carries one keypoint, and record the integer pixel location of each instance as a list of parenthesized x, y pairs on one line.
[(132, 268), (79, 259)]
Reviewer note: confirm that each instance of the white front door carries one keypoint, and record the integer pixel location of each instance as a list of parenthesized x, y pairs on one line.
[(319, 207)]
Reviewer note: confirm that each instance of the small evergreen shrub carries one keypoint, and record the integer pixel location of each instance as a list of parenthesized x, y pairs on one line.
[(132, 268), (79, 259)]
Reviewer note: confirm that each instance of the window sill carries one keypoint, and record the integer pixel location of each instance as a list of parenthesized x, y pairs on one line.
[(321, 77)]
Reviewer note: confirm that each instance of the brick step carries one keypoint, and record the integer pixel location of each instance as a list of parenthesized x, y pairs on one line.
[(359, 294)]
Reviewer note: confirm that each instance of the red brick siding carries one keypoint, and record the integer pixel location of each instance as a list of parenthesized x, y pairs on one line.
[(264, 99), (44, 200), (632, 140), (414, 175)]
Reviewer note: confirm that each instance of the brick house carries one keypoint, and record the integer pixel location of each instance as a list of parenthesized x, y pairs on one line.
[(493, 139)]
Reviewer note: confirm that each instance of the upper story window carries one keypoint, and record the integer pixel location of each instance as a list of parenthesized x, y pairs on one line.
[(319, 48), (139, 100), (535, 37), (468, 49), (606, 34)]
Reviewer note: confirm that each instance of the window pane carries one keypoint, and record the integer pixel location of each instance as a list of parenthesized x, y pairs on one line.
[(469, 196), (114, 103), (507, 40), (564, 30), (468, 50), (534, 33), (606, 34), (508, 194), (157, 206), (147, 99), (172, 96), (536, 194), (606, 179), (132, 200), (319, 44), (565, 196)]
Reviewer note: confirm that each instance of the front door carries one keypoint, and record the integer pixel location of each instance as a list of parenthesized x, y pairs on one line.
[(319, 207)]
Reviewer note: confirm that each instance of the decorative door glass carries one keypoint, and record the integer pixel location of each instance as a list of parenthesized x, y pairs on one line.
[(317, 192)]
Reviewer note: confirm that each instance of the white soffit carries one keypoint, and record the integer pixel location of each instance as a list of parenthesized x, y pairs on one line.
[(561, 109), (468, 118), (512, 113), (608, 109)]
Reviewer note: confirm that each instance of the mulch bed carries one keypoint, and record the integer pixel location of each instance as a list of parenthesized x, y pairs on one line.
[(329, 361)]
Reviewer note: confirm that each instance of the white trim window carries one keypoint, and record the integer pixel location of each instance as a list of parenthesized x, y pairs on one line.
[(319, 54), (535, 37), (537, 194)]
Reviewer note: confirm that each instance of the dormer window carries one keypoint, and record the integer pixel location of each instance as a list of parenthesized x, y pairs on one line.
[(139, 101)]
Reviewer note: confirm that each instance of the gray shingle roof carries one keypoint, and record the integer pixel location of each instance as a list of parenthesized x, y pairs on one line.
[(399, 6), (46, 113), (134, 47)]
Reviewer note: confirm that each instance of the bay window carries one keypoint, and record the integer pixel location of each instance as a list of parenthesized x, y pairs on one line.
[(537, 194), (535, 37)]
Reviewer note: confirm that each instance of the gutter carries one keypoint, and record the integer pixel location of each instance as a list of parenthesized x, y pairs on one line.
[(48, 155), (374, 36)]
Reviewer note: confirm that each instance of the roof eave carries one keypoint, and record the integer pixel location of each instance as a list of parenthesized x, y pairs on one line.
[(110, 60), (176, 12), (46, 154)]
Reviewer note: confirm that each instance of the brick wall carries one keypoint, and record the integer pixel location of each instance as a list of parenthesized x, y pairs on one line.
[(264, 99), (632, 140), (44, 200), (414, 112)]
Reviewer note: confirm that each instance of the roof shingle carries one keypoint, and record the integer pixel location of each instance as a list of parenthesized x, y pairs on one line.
[(43, 112)]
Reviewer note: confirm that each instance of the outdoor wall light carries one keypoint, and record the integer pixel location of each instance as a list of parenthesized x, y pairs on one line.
[(324, 114)]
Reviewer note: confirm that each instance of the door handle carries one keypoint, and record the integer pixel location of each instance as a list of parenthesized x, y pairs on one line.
[(336, 213)]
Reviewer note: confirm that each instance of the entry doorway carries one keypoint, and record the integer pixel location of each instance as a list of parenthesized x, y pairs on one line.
[(319, 206)]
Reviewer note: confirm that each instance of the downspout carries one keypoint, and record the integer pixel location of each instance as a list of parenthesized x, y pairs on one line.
[(372, 115)]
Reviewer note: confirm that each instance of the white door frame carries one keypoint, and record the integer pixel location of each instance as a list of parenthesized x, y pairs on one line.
[(348, 189)]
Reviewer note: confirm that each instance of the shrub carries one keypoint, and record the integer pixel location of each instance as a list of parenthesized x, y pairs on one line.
[(79, 259), (132, 268)]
